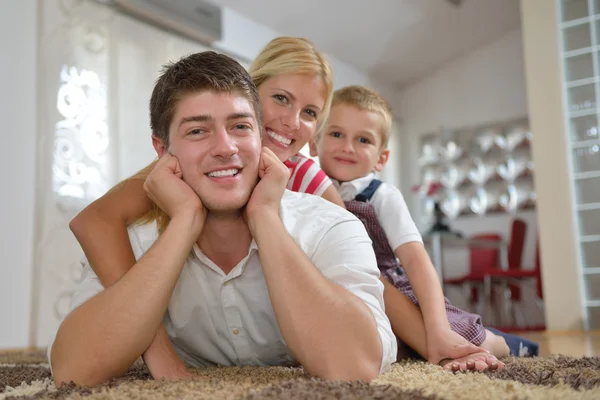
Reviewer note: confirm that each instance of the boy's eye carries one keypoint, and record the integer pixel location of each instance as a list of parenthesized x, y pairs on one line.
[(281, 98), (364, 140)]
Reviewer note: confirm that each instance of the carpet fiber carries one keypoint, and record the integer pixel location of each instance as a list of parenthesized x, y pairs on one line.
[(26, 376)]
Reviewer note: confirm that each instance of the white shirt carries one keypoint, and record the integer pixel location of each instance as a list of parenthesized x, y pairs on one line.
[(390, 207), (217, 319)]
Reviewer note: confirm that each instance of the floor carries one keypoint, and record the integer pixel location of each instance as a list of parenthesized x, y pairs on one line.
[(576, 344), (571, 343)]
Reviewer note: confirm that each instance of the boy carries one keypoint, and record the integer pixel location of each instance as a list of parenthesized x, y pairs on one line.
[(351, 148)]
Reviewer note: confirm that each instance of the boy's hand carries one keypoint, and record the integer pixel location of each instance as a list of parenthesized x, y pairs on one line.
[(266, 196), (458, 354), (168, 191)]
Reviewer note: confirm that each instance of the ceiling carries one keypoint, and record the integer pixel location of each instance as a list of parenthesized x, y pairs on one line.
[(394, 41)]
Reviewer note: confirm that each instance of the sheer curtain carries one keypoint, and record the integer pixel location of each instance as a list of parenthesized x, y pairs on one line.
[(97, 70)]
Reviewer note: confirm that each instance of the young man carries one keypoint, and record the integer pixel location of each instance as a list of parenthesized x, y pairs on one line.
[(245, 272)]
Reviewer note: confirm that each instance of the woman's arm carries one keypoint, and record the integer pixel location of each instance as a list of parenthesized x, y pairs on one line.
[(101, 229)]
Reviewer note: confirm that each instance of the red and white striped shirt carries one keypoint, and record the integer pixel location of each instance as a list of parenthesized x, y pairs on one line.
[(306, 176)]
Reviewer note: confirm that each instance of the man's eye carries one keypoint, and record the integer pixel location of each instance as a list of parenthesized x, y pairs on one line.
[(195, 131)]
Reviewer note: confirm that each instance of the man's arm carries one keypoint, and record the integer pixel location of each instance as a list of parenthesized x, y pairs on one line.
[(332, 332), (101, 230), (102, 338)]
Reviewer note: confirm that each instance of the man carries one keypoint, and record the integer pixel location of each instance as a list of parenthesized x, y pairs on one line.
[(245, 272)]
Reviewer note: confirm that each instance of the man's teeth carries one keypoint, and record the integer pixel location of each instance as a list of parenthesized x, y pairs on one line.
[(279, 138), (224, 172)]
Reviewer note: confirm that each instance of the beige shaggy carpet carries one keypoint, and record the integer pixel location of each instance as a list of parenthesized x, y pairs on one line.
[(25, 375)]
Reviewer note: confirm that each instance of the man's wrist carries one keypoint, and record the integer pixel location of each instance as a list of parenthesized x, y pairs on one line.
[(190, 221), (264, 217)]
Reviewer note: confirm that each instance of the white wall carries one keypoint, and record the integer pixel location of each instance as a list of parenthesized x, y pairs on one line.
[(18, 34), (484, 86)]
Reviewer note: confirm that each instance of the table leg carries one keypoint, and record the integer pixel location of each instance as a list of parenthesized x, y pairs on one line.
[(438, 256)]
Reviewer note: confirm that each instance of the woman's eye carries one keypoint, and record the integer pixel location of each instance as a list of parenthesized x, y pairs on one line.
[(312, 113), (281, 98)]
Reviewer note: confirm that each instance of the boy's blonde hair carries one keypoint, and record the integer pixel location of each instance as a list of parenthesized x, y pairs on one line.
[(282, 55), (290, 55), (365, 98)]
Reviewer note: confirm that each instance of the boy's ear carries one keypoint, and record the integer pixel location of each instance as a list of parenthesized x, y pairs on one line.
[(312, 145), (383, 158), (159, 146)]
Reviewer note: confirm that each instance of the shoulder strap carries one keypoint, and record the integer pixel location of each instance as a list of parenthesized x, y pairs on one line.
[(366, 194)]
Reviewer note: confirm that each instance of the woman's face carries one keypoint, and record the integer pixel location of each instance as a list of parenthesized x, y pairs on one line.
[(291, 105)]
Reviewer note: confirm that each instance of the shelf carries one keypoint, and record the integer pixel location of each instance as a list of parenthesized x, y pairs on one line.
[(583, 113), (579, 21), (588, 206), (576, 144), (586, 175), (582, 82), (592, 303), (589, 238), (591, 271)]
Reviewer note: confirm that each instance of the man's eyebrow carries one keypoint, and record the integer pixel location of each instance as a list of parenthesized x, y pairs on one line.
[(196, 118), (241, 115)]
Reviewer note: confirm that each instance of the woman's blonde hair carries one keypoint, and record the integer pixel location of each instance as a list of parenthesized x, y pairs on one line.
[(281, 56)]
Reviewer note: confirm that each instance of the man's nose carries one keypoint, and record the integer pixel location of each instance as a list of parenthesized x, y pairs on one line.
[(224, 145)]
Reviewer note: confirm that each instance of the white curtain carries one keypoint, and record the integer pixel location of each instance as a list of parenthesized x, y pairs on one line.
[(97, 70)]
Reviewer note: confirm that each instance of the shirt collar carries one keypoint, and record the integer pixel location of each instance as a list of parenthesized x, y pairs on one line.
[(349, 190)]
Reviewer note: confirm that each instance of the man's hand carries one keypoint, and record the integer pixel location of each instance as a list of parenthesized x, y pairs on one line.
[(458, 354), (267, 194), (168, 191)]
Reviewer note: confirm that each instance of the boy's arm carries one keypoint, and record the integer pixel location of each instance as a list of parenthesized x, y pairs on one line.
[(101, 230), (332, 194)]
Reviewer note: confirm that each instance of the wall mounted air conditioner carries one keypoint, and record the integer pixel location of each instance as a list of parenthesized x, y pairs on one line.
[(195, 19)]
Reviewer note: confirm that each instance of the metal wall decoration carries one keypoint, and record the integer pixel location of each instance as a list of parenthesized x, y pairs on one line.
[(477, 171)]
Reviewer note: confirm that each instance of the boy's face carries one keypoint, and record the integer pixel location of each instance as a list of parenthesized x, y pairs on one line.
[(216, 140), (350, 145)]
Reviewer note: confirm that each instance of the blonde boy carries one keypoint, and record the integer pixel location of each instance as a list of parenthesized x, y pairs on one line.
[(351, 148)]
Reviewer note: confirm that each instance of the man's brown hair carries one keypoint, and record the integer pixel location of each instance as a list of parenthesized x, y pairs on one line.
[(199, 72)]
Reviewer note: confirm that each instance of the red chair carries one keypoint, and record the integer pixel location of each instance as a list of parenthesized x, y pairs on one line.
[(481, 259), (513, 278)]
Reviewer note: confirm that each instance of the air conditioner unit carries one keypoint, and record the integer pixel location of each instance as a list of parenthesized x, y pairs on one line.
[(195, 19)]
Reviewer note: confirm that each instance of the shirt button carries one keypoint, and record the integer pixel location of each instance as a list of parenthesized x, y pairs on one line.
[(236, 331)]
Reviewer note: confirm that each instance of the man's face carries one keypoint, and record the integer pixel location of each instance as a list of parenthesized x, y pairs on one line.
[(216, 139)]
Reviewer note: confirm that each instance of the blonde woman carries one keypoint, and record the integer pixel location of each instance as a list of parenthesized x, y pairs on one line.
[(295, 86)]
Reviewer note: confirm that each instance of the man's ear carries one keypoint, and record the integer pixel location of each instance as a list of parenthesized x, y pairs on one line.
[(383, 158), (312, 146), (159, 146)]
